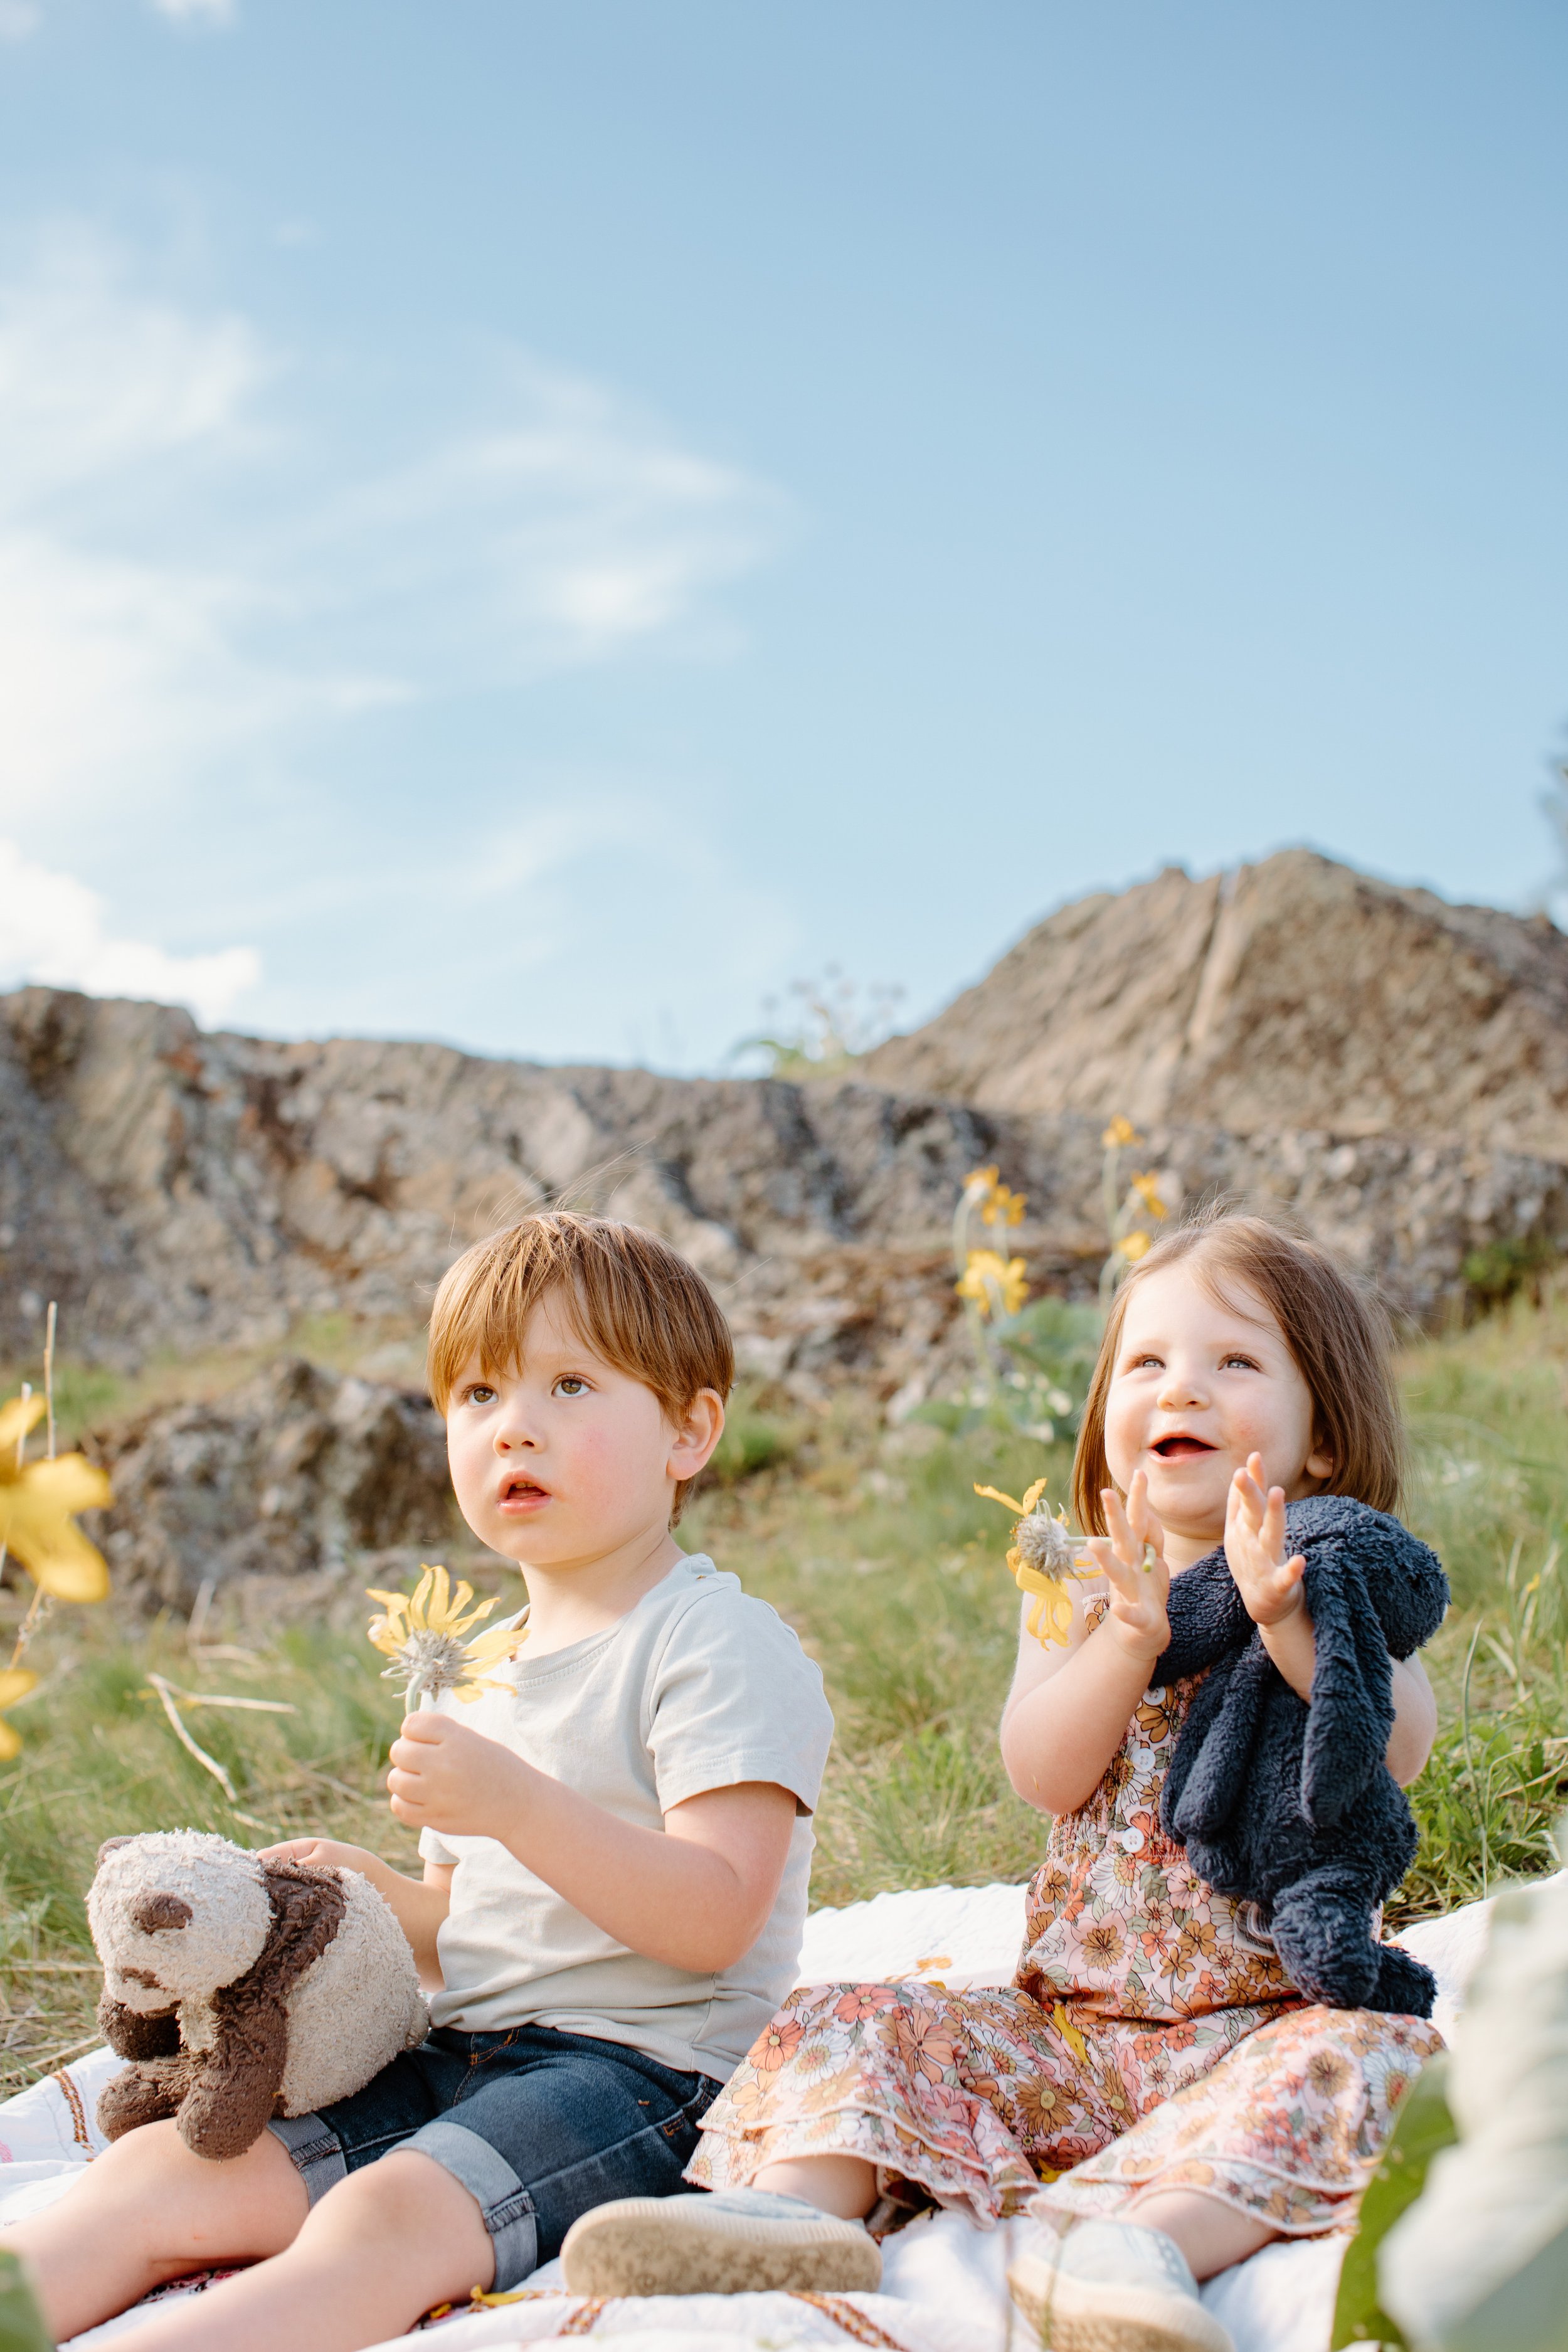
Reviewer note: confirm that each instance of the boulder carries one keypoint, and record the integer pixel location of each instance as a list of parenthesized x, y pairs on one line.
[(1293, 993)]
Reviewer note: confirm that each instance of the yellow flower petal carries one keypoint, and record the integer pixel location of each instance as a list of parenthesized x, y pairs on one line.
[(17, 1416), (497, 1641), (1134, 1246), (35, 1507), (995, 1495), (1121, 1132), (15, 1682), (10, 1742)]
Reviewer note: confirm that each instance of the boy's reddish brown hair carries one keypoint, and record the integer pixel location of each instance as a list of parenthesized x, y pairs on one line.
[(1338, 1332), (629, 1297)]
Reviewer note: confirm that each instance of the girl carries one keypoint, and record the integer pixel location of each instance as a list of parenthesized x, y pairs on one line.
[(1153, 2078)]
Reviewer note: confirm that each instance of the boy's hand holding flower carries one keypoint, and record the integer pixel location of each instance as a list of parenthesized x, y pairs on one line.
[(1139, 1583), (448, 1778), (1269, 1584)]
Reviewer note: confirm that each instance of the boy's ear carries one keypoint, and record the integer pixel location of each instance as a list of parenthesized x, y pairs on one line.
[(697, 1432)]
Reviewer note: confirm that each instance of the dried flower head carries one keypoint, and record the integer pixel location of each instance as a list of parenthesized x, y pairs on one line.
[(1045, 1558), (37, 1502), (423, 1634)]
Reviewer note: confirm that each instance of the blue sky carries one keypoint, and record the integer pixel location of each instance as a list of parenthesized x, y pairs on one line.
[(540, 525)]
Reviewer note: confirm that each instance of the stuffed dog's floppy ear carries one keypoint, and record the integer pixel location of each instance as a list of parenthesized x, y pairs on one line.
[(109, 1843)]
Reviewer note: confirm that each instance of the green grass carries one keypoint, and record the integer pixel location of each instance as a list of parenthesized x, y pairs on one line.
[(873, 1545)]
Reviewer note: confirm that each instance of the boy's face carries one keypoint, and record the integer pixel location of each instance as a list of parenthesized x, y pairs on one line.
[(565, 1459)]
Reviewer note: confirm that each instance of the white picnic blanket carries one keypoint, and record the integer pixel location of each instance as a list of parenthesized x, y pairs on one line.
[(943, 2282)]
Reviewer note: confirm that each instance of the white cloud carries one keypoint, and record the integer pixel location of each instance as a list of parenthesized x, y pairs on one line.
[(177, 591), (52, 929), (19, 19), (202, 587), (97, 379)]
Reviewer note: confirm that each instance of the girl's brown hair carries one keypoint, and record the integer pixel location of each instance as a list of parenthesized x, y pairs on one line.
[(1338, 1333)]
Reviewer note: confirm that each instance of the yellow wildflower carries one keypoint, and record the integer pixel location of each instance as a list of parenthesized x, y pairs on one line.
[(1002, 1207), (1044, 1561), (422, 1634), (37, 1501), (993, 1282), (1148, 1191), (1120, 1132), (1134, 1246), (979, 1180), (15, 1682)]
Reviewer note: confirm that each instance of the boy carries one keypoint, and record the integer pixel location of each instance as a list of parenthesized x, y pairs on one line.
[(615, 1848)]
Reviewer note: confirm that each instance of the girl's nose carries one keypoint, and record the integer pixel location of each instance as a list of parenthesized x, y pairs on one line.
[(1180, 1389)]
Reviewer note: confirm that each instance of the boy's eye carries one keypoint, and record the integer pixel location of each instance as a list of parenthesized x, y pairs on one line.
[(478, 1393), (571, 1385)]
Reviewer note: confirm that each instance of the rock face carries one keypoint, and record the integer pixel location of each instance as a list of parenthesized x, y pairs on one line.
[(185, 1193), (289, 1476), (1295, 993)]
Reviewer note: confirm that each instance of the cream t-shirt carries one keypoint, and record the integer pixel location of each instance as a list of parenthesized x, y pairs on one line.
[(699, 1686)]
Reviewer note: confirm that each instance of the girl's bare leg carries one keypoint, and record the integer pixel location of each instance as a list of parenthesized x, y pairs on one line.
[(842, 2185), (1212, 2235), (374, 2254), (147, 2210)]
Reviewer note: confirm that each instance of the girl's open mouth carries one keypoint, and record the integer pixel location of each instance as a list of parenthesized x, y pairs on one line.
[(1182, 1449)]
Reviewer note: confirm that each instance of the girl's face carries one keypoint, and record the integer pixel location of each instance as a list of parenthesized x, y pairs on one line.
[(1200, 1383)]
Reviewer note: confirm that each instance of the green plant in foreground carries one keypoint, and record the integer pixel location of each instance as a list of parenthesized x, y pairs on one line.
[(22, 2326)]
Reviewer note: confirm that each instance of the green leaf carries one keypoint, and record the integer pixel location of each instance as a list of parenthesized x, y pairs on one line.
[(22, 2327), (1423, 2127)]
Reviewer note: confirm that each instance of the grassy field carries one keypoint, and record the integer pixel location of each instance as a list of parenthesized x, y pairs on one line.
[(875, 1548)]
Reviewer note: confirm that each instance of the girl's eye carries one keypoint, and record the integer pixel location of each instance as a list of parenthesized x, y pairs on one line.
[(1247, 1363), (571, 1385)]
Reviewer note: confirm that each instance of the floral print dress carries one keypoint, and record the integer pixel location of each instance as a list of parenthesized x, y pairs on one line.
[(1150, 2041)]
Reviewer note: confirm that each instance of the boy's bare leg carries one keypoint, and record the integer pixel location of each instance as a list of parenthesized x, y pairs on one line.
[(375, 2252), (147, 2211)]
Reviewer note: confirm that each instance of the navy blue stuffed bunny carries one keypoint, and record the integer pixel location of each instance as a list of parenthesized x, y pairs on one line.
[(1290, 1806)]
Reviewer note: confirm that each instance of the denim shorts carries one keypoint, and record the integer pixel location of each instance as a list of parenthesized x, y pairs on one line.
[(537, 2125)]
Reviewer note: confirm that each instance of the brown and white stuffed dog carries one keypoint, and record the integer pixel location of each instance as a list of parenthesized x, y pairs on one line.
[(241, 1988)]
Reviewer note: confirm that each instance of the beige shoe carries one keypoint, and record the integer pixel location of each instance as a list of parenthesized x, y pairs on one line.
[(1113, 2286), (735, 2241)]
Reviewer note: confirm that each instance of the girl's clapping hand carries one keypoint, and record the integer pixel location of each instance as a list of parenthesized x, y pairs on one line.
[(1140, 1586), (1269, 1584)]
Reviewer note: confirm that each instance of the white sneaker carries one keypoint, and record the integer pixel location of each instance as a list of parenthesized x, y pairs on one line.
[(1113, 2286), (728, 2241)]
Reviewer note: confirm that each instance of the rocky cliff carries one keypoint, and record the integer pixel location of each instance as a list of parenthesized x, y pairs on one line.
[(181, 1191), (1294, 994)]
